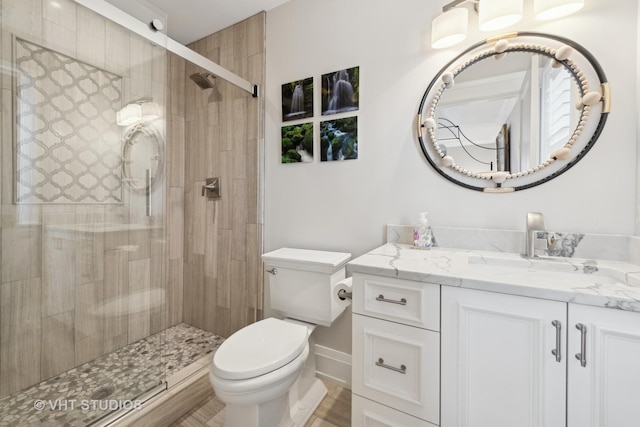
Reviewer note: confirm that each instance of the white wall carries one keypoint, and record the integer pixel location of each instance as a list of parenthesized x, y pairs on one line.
[(345, 205)]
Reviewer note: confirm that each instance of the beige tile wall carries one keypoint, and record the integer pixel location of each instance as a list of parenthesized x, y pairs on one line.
[(61, 288), (222, 243), (64, 287)]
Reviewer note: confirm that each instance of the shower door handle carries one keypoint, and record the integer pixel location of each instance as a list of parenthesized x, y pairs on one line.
[(147, 191)]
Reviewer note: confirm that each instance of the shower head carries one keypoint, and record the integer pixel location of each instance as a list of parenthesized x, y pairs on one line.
[(203, 80)]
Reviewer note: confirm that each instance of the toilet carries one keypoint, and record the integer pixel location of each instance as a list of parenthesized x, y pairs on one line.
[(265, 372)]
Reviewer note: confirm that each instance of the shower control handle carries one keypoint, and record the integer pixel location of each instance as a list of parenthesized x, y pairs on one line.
[(211, 188)]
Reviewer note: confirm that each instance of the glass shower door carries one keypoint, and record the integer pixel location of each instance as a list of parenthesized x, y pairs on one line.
[(83, 283)]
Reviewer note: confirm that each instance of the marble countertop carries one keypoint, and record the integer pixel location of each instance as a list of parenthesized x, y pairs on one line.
[(611, 284)]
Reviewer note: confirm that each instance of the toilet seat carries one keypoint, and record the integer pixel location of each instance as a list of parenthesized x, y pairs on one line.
[(259, 348)]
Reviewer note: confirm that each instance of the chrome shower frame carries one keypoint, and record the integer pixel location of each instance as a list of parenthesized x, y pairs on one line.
[(151, 33)]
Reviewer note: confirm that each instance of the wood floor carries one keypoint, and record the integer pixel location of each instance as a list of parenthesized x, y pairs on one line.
[(334, 411)]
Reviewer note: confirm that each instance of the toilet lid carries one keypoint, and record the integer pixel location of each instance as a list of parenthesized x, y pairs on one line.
[(259, 348)]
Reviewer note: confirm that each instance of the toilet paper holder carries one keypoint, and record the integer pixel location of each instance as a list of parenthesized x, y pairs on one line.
[(343, 295)]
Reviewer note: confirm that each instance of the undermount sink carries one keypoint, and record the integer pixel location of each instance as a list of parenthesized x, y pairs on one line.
[(583, 272)]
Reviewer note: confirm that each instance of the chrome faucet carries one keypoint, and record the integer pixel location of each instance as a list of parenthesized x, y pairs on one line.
[(536, 235)]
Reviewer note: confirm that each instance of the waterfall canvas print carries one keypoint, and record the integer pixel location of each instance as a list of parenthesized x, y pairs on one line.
[(297, 100), (339, 139), (341, 91), (297, 143)]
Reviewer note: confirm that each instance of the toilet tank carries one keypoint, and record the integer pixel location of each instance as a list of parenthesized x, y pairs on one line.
[(301, 283)]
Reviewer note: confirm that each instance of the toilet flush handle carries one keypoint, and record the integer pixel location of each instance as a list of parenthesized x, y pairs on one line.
[(273, 271)]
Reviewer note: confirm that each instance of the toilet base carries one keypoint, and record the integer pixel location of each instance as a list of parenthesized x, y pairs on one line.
[(302, 409), (266, 415)]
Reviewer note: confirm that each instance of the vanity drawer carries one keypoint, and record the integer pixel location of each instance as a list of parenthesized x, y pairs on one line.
[(399, 365), (367, 413), (404, 301)]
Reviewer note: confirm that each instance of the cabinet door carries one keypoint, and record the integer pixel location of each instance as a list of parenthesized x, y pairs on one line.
[(605, 392), (497, 365)]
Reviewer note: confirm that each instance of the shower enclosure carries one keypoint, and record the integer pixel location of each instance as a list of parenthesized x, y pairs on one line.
[(116, 272), (83, 211)]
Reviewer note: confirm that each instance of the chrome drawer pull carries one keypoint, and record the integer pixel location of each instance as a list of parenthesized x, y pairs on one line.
[(582, 356), (556, 351), (381, 297), (402, 369)]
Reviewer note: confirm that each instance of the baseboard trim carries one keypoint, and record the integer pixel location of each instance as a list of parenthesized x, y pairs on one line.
[(334, 365)]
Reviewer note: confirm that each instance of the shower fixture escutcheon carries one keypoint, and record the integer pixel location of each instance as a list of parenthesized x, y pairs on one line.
[(211, 188)]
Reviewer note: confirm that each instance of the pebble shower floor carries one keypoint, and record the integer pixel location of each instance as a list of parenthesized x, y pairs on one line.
[(117, 378)]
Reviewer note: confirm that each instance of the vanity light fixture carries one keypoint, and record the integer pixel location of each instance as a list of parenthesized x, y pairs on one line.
[(136, 112), (150, 111), (545, 10), (498, 14), (450, 27)]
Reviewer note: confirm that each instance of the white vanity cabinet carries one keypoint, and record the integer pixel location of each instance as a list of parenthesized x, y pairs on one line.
[(396, 352), (605, 392), (505, 362), (498, 368)]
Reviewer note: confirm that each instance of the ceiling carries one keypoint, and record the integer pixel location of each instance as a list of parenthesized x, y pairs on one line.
[(191, 20)]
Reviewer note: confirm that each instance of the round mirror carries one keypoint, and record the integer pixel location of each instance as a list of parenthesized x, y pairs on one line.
[(142, 156), (513, 112)]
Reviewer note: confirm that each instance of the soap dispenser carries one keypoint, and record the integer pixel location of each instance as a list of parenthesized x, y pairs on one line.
[(422, 234)]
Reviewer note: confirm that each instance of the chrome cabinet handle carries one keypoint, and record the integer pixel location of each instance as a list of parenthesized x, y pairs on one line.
[(381, 297), (582, 356), (556, 351), (402, 369)]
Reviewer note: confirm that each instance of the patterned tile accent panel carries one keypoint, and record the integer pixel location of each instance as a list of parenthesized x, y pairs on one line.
[(67, 141)]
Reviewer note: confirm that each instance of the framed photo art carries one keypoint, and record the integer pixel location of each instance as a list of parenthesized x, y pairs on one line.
[(297, 100), (339, 139), (341, 91), (297, 143)]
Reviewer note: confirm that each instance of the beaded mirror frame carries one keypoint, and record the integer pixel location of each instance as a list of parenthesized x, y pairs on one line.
[(594, 106)]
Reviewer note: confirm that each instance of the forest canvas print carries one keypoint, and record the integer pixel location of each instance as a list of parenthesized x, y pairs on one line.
[(297, 143)]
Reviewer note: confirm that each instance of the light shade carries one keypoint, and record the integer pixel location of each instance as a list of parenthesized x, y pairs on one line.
[(498, 14), (545, 10), (130, 114), (449, 28), (150, 111)]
